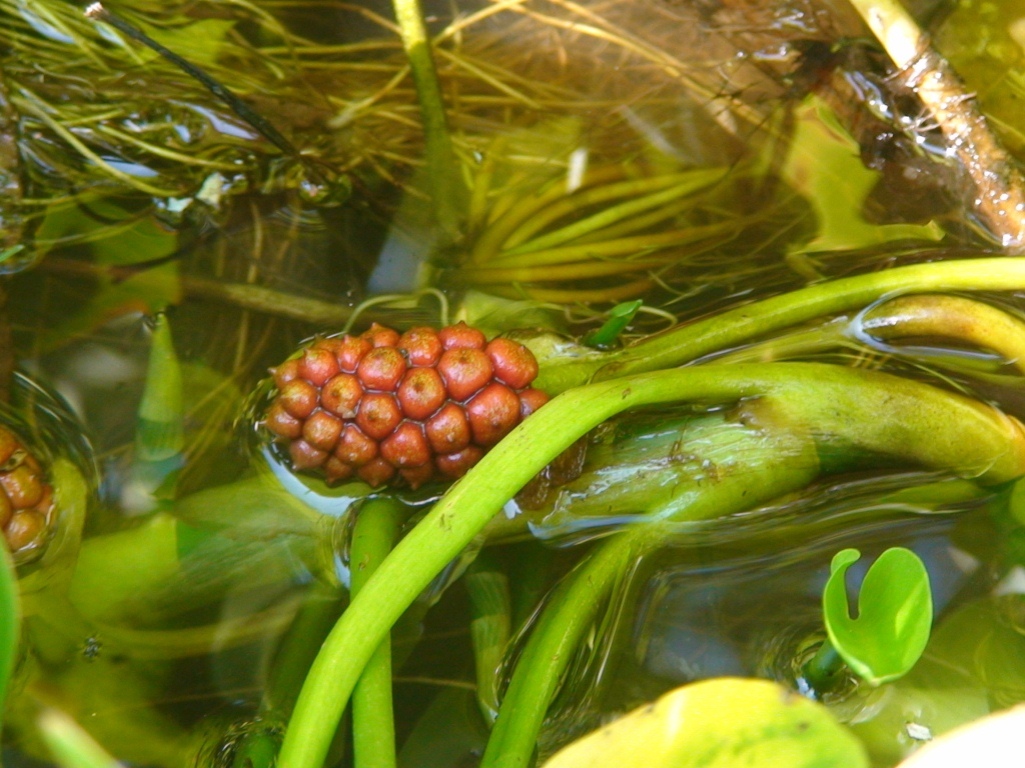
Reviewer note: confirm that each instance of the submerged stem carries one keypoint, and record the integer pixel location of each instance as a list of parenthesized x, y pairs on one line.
[(373, 720), (441, 166)]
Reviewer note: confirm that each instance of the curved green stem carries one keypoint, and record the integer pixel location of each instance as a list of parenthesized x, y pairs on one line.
[(722, 331), (373, 719), (951, 317), (987, 443)]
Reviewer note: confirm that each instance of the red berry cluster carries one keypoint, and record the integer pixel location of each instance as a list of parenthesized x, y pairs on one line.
[(416, 406), (26, 499)]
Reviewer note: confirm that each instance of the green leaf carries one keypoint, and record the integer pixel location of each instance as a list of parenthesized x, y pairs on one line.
[(894, 614), (619, 318), (10, 620), (720, 723)]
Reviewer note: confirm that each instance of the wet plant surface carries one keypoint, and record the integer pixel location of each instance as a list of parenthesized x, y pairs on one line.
[(431, 386)]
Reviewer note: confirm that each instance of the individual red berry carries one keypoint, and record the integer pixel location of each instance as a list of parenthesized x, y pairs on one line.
[(417, 476), (336, 469), (317, 366), (328, 343), (341, 395), (23, 487), (351, 351), (448, 430), (376, 472), (406, 446), (354, 447), (465, 371), (422, 346), (282, 423), (455, 465), (305, 456), (322, 431), (461, 336), (285, 372), (530, 400), (378, 415), (299, 398), (382, 369), (380, 336), (24, 529), (493, 413), (421, 393), (513, 363)]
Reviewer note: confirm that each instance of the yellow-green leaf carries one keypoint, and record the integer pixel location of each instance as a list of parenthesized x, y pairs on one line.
[(720, 723)]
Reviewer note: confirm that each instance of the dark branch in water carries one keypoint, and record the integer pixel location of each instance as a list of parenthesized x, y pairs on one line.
[(97, 12)]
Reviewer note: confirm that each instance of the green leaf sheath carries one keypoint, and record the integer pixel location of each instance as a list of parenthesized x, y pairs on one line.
[(373, 721), (986, 441), (727, 329), (487, 584)]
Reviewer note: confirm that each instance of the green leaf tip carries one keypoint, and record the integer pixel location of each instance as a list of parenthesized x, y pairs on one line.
[(160, 432), (619, 318), (894, 614)]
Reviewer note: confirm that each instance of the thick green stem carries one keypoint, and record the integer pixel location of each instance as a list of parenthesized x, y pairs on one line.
[(373, 720), (750, 468), (728, 329), (445, 184), (950, 317), (994, 444)]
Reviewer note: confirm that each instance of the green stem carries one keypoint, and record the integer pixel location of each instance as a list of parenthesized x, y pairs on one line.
[(441, 166), (728, 329), (10, 621), (373, 719), (995, 444), (760, 469), (822, 669), (951, 317)]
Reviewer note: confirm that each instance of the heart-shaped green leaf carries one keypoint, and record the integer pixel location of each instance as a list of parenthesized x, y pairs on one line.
[(894, 614)]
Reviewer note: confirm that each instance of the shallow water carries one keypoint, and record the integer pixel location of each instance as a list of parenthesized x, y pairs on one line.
[(174, 651)]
